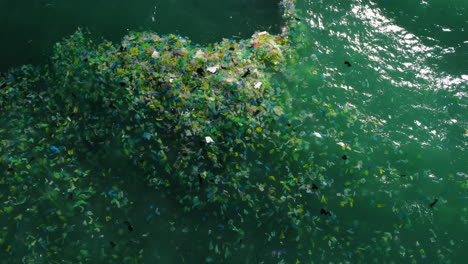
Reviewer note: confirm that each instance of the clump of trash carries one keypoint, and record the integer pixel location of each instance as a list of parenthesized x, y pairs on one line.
[(208, 127), (194, 120)]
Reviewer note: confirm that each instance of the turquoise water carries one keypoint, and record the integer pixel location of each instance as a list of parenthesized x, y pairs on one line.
[(408, 77), (381, 138)]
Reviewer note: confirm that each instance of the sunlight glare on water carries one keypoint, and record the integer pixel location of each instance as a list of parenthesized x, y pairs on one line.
[(340, 140)]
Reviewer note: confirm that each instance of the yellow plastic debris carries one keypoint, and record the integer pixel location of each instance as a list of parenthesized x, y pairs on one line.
[(324, 200)]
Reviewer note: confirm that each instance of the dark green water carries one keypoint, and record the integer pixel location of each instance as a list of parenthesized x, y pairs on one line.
[(30, 28), (387, 134)]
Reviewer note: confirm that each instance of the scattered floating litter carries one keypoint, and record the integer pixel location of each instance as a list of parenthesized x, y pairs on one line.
[(247, 73), (129, 226), (324, 212), (212, 69), (155, 55), (161, 100)]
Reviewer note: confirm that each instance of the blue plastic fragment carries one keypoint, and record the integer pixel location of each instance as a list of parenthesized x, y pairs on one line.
[(54, 149), (112, 194), (146, 135), (148, 217)]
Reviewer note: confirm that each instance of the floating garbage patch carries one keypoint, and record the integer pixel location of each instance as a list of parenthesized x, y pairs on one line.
[(210, 129)]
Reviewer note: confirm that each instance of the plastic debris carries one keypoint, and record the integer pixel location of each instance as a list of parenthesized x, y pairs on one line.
[(155, 55), (71, 132), (212, 69)]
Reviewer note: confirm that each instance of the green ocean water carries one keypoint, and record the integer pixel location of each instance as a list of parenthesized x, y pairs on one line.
[(30, 28), (408, 76), (387, 134)]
